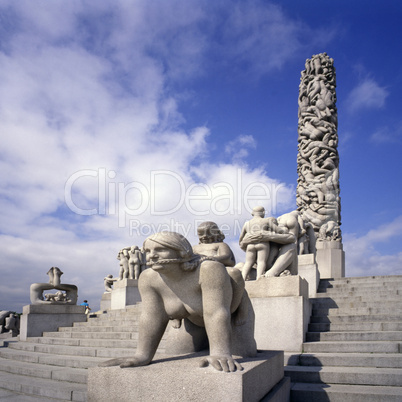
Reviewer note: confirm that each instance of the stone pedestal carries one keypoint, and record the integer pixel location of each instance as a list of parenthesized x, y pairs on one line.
[(282, 312), (307, 269), (125, 293), (172, 379), (330, 259), (39, 318), (106, 301)]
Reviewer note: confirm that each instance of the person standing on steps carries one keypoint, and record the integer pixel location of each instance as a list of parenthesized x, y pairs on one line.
[(87, 308)]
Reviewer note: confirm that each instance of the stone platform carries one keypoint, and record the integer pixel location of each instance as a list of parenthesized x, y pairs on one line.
[(282, 312), (125, 293), (39, 318), (181, 379)]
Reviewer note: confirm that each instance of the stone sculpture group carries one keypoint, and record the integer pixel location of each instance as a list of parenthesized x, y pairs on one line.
[(182, 285), (67, 294)]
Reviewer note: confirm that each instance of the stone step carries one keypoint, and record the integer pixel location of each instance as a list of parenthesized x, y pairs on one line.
[(90, 351), (350, 311), (51, 359), (356, 326), (100, 328), (352, 347), (345, 375), (18, 397), (44, 387), (69, 374), (307, 392), (378, 298), (336, 294), (364, 285), (384, 360), (338, 319), (362, 279), (114, 317), (330, 303), (100, 323), (92, 335), (354, 336), (104, 343)]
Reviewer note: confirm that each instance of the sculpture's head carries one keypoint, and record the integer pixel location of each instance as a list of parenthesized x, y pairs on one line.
[(209, 232), (170, 248), (258, 211)]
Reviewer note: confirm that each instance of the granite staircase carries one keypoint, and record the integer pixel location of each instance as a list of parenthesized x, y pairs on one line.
[(353, 350), (54, 366)]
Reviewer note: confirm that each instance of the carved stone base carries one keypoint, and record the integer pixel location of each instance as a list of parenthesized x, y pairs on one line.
[(308, 270), (330, 259), (172, 379), (282, 312), (125, 293), (106, 301), (39, 318)]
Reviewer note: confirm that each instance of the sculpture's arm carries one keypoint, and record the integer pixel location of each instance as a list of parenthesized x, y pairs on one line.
[(225, 255), (243, 233), (281, 238), (217, 295), (152, 323)]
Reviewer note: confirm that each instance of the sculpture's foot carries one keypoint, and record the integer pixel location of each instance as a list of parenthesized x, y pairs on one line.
[(176, 323)]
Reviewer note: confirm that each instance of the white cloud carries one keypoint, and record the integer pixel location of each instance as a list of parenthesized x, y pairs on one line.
[(72, 104), (368, 94), (387, 135), (239, 147), (362, 256)]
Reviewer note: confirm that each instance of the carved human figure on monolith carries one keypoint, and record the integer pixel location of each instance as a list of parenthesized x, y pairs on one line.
[(196, 289)]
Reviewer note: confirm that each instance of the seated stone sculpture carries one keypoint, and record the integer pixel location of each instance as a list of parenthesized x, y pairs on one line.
[(9, 323), (108, 281), (12, 324), (181, 285), (212, 244), (69, 297)]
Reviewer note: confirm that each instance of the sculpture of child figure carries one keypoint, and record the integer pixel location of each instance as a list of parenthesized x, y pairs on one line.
[(212, 245)]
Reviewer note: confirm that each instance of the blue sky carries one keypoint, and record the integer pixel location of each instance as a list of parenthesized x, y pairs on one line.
[(119, 118)]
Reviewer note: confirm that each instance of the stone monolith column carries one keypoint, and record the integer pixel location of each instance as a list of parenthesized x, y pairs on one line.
[(318, 199)]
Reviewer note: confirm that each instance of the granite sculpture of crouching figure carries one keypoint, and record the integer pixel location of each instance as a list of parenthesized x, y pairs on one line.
[(200, 291)]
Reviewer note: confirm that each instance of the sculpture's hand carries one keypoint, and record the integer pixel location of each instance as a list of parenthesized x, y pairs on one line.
[(112, 362), (125, 362), (221, 363)]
